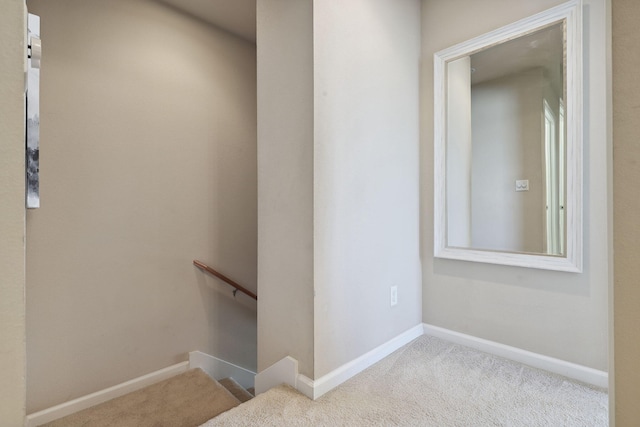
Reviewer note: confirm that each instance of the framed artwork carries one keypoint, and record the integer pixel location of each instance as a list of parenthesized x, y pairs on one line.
[(32, 159)]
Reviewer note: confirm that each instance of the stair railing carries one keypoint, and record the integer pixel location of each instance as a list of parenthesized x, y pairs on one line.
[(225, 279)]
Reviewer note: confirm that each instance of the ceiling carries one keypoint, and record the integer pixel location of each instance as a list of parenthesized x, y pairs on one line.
[(236, 16), (540, 49)]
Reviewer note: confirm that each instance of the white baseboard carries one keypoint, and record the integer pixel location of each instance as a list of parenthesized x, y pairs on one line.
[(316, 388), (550, 364), (219, 369), (284, 371), (84, 402)]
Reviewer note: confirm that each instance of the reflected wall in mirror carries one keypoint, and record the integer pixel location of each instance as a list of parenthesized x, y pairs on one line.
[(508, 144), (504, 112)]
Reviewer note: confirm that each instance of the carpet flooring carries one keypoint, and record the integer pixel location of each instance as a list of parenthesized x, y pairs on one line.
[(431, 382), (185, 400)]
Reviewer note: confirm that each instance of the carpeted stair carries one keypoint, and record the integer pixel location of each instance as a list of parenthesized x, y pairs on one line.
[(186, 400), (236, 389)]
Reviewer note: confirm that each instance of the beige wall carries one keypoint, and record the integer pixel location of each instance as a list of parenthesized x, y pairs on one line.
[(557, 314), (148, 161), (626, 158), (12, 219), (285, 176), (366, 175), (338, 171)]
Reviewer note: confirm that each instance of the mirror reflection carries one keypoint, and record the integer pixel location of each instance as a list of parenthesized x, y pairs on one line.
[(506, 145)]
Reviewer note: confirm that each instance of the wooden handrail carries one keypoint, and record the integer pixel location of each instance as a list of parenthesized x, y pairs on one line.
[(224, 278)]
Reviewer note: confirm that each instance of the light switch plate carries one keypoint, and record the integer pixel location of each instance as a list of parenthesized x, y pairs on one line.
[(522, 185)]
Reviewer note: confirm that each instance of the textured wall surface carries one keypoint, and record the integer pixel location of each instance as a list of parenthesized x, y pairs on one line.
[(12, 218), (626, 161), (148, 161)]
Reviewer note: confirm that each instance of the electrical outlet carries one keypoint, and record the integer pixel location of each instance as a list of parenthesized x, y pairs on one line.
[(394, 295)]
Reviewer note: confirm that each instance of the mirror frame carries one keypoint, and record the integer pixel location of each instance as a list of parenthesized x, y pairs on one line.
[(571, 261)]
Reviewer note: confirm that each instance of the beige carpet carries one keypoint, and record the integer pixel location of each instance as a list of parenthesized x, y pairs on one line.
[(236, 389), (431, 382), (185, 400)]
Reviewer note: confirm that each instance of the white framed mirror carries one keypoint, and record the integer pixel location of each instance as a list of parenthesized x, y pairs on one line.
[(508, 144)]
